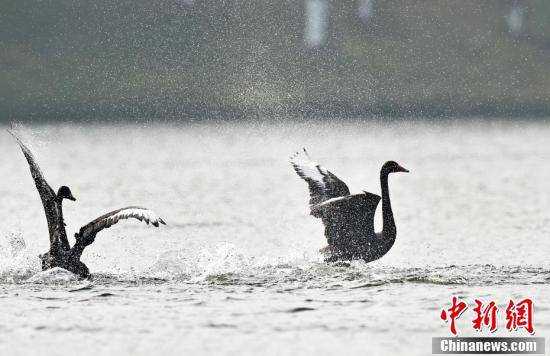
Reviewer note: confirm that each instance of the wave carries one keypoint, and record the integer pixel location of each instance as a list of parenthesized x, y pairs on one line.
[(226, 265)]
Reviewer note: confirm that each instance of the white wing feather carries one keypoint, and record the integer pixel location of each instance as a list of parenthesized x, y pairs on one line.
[(307, 168), (323, 185), (109, 219)]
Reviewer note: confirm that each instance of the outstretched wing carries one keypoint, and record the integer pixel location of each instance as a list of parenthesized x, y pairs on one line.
[(47, 194), (323, 185), (109, 219)]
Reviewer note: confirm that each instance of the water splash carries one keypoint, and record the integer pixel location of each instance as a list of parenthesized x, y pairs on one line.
[(55, 275), (17, 263), (225, 264)]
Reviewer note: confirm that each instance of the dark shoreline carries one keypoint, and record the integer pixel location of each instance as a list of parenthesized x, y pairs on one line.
[(333, 110)]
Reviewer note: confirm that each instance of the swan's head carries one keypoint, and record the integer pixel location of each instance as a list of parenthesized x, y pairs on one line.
[(65, 193), (393, 167)]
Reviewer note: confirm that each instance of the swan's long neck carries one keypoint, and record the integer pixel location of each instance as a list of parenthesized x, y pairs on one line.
[(62, 242), (388, 226)]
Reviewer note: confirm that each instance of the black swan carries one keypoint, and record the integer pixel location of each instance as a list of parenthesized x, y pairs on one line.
[(61, 254), (348, 218)]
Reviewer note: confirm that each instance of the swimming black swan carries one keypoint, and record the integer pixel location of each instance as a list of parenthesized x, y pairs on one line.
[(60, 253), (348, 219)]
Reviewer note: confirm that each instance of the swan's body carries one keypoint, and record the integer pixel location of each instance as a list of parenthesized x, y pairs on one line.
[(348, 218), (61, 254)]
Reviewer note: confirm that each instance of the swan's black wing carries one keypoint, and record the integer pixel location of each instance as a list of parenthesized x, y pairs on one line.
[(47, 195), (109, 219), (348, 220), (323, 185), (88, 232)]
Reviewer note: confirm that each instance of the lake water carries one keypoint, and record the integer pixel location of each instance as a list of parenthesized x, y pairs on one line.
[(236, 270)]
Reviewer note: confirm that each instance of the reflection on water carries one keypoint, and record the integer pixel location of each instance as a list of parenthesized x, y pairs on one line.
[(237, 260)]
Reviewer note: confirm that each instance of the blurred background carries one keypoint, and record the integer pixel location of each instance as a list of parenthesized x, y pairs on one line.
[(228, 59), (237, 268)]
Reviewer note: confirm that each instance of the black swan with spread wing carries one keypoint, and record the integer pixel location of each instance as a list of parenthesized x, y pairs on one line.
[(348, 218), (61, 254)]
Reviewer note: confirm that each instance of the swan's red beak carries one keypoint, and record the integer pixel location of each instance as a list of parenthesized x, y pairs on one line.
[(401, 169)]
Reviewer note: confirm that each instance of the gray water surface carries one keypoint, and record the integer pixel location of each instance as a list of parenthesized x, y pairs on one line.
[(236, 270)]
